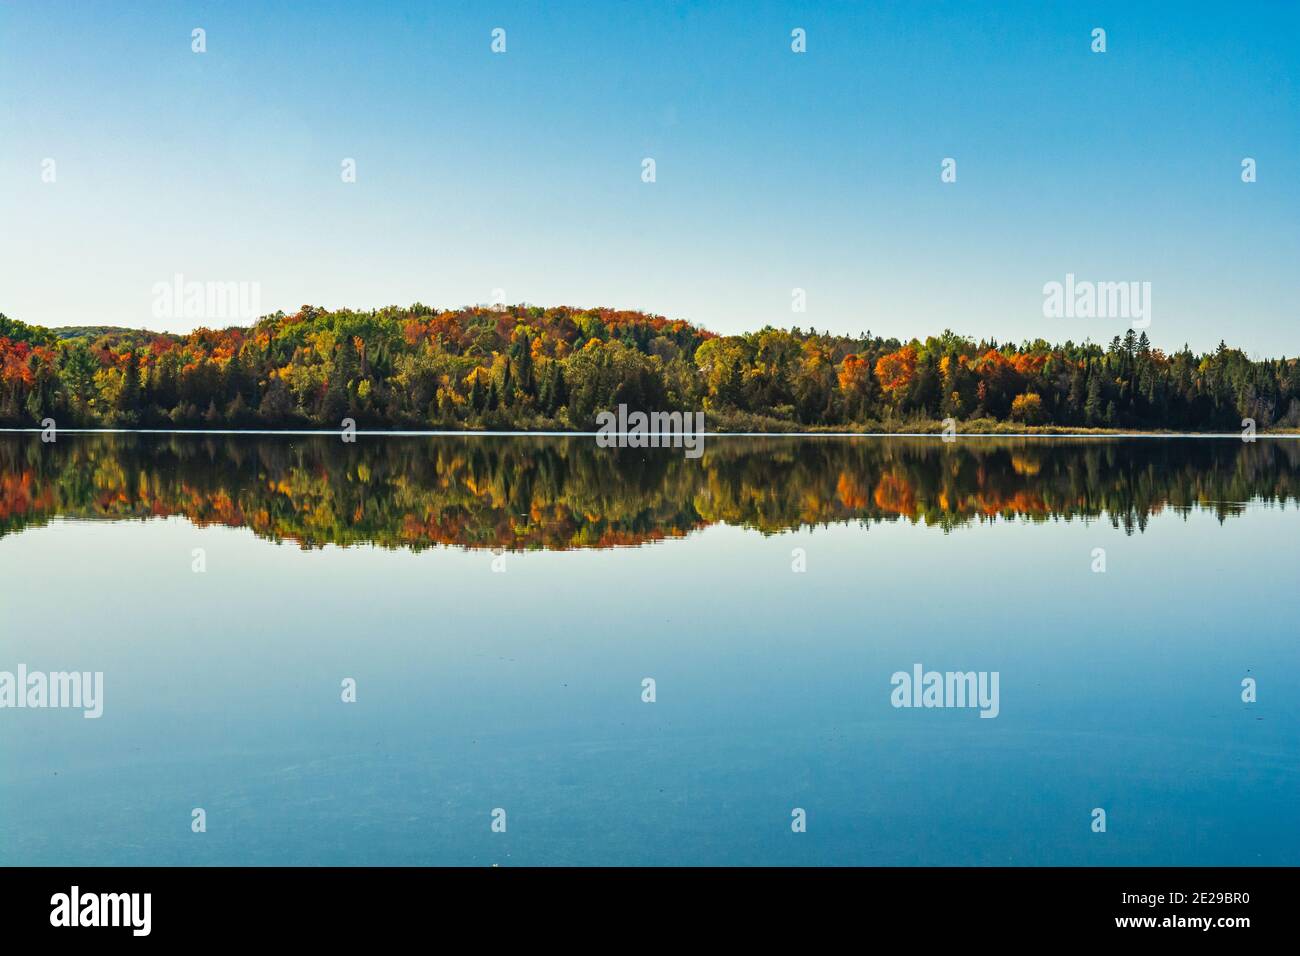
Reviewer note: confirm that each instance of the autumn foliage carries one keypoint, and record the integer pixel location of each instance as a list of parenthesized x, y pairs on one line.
[(528, 367), (896, 370)]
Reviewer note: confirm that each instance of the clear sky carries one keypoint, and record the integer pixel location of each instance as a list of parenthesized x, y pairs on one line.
[(775, 170)]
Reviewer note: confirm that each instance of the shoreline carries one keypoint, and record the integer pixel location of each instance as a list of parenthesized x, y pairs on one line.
[(1038, 432)]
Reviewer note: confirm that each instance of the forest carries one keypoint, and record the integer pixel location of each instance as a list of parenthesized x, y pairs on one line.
[(532, 368)]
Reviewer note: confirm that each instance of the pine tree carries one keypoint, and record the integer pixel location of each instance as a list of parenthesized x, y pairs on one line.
[(507, 387), (560, 397), (1078, 395), (128, 399), (1092, 408), (524, 366), (546, 392)]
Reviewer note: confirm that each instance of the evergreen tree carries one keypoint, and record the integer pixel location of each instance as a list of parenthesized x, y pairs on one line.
[(128, 399), (507, 387), (1092, 409), (477, 399)]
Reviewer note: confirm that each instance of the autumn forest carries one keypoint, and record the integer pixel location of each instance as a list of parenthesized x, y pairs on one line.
[(527, 368)]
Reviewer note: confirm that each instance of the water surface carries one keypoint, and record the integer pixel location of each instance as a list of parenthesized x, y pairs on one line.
[(499, 601)]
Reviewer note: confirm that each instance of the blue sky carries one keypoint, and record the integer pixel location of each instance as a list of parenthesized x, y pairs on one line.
[(522, 171)]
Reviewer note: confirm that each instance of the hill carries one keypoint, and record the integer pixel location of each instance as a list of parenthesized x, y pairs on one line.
[(529, 367)]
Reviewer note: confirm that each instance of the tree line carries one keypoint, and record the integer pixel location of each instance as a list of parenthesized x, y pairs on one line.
[(527, 367)]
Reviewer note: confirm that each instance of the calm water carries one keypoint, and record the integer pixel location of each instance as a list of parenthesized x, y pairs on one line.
[(480, 688)]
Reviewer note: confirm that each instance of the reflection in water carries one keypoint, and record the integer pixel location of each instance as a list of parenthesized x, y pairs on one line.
[(556, 493), (524, 690)]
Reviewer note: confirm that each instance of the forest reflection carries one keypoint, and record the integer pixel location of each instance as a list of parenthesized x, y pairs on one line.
[(556, 493)]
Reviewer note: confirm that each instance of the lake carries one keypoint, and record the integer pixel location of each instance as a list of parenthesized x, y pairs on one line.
[(503, 609)]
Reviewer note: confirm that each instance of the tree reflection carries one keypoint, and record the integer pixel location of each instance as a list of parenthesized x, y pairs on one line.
[(556, 493)]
